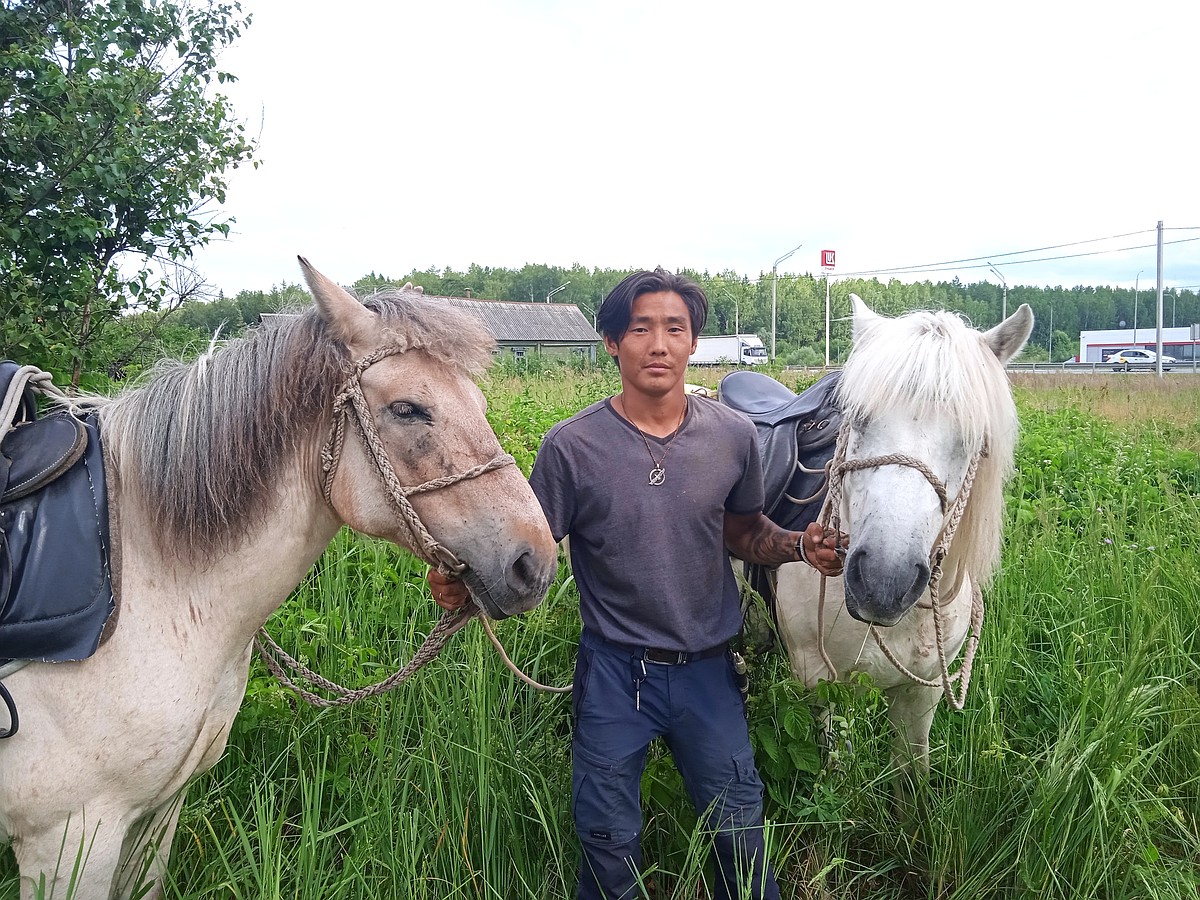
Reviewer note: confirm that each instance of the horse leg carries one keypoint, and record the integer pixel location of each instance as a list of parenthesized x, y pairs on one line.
[(910, 711), (146, 851), (78, 859)]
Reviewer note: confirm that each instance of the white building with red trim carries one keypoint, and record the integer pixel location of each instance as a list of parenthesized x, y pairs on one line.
[(1181, 342)]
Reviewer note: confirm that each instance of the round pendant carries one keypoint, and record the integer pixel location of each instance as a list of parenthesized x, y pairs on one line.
[(657, 474)]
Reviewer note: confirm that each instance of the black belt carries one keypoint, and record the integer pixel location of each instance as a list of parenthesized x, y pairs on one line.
[(678, 657)]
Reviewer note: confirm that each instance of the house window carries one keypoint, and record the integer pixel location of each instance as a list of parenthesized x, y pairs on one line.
[(519, 352)]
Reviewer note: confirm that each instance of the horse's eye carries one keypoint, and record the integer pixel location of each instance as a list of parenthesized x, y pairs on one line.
[(402, 409)]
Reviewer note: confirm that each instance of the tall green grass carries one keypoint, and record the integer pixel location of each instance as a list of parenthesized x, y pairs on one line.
[(1074, 771)]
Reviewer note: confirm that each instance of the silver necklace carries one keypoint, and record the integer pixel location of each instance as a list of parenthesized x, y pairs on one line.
[(658, 474)]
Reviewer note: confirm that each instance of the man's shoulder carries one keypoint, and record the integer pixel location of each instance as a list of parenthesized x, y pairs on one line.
[(577, 424), (717, 415)]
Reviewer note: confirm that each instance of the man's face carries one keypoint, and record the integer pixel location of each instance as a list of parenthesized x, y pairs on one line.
[(654, 351)]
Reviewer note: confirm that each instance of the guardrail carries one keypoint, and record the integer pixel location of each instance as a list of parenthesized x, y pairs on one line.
[(1185, 367)]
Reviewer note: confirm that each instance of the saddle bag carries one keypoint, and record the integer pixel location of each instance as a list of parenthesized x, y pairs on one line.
[(55, 584)]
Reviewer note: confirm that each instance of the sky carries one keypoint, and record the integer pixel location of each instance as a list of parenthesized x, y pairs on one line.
[(627, 134)]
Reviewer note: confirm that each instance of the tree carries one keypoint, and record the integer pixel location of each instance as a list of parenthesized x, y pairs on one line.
[(113, 144)]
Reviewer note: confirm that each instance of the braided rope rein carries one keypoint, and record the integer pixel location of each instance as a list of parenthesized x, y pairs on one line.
[(952, 517)]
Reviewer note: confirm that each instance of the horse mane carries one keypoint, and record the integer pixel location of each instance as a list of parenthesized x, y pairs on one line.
[(205, 444), (935, 365)]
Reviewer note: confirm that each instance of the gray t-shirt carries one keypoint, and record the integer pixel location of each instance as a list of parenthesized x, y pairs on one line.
[(650, 560)]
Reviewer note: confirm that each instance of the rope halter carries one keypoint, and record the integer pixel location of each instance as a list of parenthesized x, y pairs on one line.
[(350, 403), (952, 513)]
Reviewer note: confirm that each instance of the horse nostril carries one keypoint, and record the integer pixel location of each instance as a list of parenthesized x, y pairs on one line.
[(525, 572), (922, 577)]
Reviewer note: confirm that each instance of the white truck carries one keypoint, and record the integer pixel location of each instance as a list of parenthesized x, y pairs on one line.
[(729, 350)]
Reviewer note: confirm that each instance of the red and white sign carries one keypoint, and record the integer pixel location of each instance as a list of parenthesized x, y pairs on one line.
[(828, 258)]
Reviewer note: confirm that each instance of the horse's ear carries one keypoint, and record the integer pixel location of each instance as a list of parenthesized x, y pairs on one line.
[(864, 316), (409, 286), (1007, 338), (352, 322)]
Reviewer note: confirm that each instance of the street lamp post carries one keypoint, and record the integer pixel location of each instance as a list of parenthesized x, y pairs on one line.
[(556, 290), (1004, 301), (1051, 351), (774, 282), (1136, 282)]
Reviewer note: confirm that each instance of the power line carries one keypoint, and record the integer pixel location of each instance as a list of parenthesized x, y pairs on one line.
[(989, 256), (980, 262)]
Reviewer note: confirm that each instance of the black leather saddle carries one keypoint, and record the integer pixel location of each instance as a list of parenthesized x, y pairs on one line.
[(55, 582), (797, 437), (797, 434)]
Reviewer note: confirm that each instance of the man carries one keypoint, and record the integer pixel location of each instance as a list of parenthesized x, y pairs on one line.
[(653, 489)]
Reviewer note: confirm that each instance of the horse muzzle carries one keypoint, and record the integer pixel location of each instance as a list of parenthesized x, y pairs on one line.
[(879, 591), (523, 584)]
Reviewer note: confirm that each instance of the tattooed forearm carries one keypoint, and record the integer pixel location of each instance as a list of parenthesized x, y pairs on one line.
[(759, 540), (773, 546)]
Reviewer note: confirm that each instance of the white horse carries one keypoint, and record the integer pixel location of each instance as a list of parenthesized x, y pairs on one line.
[(927, 438), (227, 479)]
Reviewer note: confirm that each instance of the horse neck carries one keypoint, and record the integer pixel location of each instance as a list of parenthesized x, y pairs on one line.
[(219, 600)]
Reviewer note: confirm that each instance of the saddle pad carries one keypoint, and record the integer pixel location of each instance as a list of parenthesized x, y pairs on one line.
[(55, 584)]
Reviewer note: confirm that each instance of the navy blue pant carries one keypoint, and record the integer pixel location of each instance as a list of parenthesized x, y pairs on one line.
[(697, 709)]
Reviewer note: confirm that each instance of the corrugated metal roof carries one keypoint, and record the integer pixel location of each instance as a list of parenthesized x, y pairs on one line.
[(518, 322), (510, 321)]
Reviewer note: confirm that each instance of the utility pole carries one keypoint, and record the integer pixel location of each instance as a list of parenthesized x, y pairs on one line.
[(1158, 341)]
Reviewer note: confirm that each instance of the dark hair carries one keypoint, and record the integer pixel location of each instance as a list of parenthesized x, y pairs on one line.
[(612, 319)]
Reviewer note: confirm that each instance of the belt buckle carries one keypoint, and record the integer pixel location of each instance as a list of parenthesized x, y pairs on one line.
[(681, 657)]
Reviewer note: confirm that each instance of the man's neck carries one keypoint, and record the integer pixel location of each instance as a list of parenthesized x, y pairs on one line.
[(657, 416)]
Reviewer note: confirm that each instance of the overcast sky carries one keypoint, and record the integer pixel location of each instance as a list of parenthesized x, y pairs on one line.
[(717, 136)]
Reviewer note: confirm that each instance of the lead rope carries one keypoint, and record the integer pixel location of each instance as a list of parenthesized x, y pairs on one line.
[(513, 667), (276, 657), (37, 381), (830, 515)]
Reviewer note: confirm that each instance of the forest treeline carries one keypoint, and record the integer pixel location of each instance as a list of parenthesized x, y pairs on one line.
[(735, 303)]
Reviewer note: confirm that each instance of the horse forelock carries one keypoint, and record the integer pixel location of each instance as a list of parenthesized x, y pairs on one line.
[(205, 444), (448, 334), (936, 366)]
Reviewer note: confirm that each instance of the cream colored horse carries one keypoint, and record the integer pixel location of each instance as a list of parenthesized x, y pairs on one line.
[(927, 409), (219, 505)]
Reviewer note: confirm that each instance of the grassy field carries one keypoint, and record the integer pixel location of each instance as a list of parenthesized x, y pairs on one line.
[(1074, 771)]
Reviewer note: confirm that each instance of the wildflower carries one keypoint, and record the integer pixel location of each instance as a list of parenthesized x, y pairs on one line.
[(1107, 541)]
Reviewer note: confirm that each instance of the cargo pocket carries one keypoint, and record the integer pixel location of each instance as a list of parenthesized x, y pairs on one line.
[(605, 797), (744, 795)]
